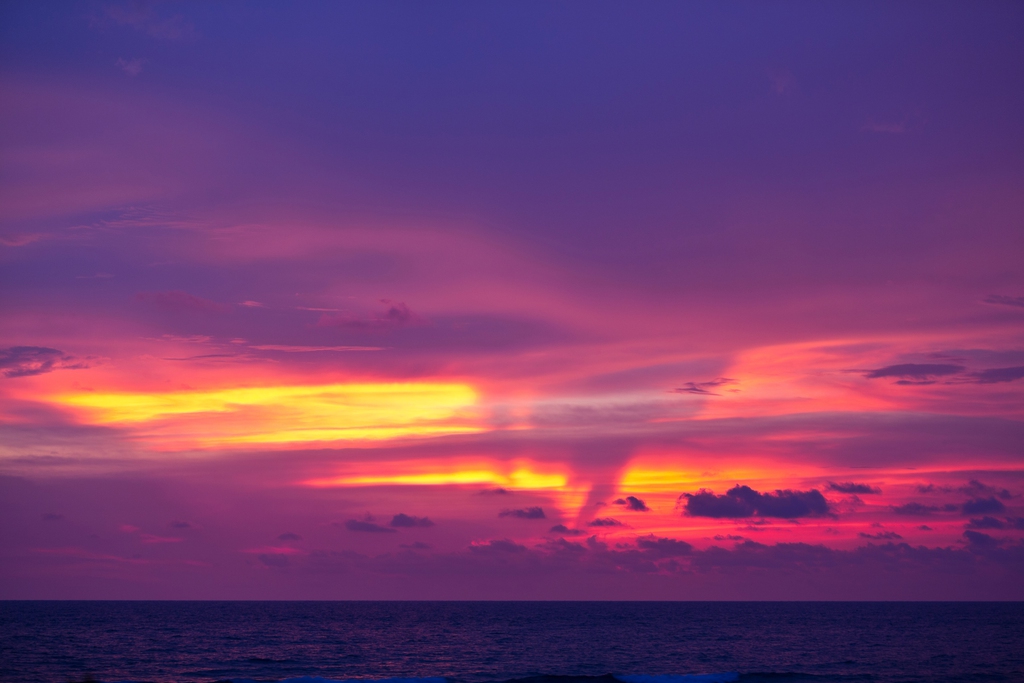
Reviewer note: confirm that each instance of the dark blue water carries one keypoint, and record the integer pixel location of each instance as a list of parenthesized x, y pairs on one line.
[(467, 642)]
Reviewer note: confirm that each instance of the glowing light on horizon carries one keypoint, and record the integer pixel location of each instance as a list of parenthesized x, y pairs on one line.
[(512, 476), (283, 414)]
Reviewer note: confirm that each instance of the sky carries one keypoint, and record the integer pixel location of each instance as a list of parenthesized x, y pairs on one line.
[(533, 300)]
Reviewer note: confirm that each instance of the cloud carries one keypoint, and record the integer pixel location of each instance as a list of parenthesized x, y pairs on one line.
[(916, 373), (633, 503), (289, 536), (396, 315), (1002, 300), (143, 16), (52, 517), (850, 487), (562, 529), (495, 492), (979, 540), (179, 524), (179, 301), (286, 348), (702, 387), (368, 527), (132, 67), (925, 527), (743, 501), (416, 545), (524, 513), (605, 521), (915, 508), (25, 361), (980, 506), (977, 489), (663, 547), (881, 535), (408, 521), (986, 522), (497, 546), (997, 375)]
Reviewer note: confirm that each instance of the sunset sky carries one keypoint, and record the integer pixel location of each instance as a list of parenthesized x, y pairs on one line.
[(546, 300)]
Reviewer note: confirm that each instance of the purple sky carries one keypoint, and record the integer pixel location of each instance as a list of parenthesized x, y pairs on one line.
[(570, 300)]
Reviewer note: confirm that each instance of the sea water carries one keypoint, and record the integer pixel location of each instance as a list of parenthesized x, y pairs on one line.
[(478, 642)]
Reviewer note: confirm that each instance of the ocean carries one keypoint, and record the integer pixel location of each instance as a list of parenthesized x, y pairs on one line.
[(482, 642)]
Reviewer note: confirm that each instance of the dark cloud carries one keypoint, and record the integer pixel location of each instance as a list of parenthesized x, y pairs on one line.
[(25, 361), (731, 537), (977, 489), (932, 488), (996, 375), (496, 492), (289, 536), (179, 301), (850, 487), (497, 546), (273, 559), (633, 503), (369, 527), (882, 535), (986, 522), (395, 316), (916, 373), (979, 540), (1003, 300), (179, 524), (743, 501), (925, 527), (702, 388), (915, 508), (663, 547), (524, 513), (562, 529), (1015, 523), (981, 506), (408, 521), (604, 521)]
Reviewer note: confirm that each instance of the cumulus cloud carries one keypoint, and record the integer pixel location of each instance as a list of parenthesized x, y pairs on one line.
[(368, 527), (408, 521), (500, 546), (881, 535), (703, 388), (633, 503), (977, 489), (25, 361), (915, 508), (986, 522), (496, 492), (850, 487), (563, 529), (604, 521), (743, 501), (663, 547), (524, 513), (981, 506)]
